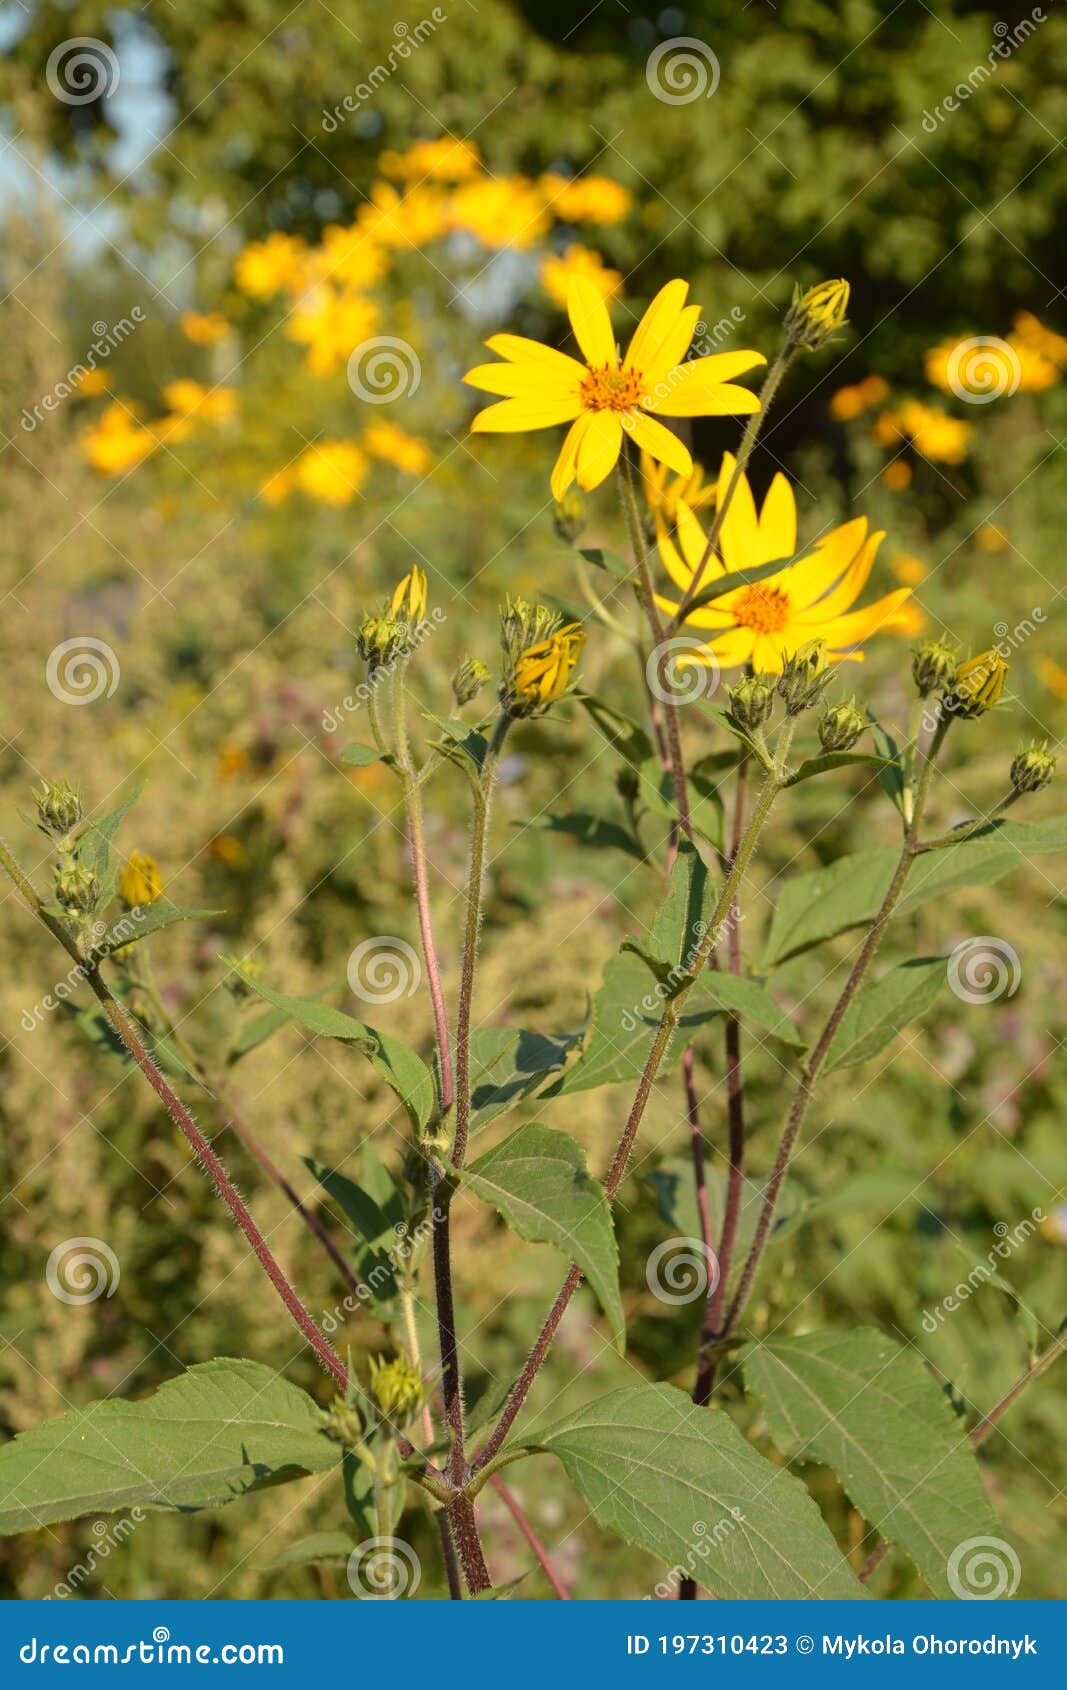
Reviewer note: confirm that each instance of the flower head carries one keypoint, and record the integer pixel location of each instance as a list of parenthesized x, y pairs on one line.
[(811, 598), (542, 673), (59, 806), (140, 882), (1033, 767), (977, 684), (603, 398), (396, 1388), (817, 314)]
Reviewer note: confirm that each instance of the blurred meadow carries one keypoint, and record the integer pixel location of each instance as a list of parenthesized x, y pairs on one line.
[(287, 231)]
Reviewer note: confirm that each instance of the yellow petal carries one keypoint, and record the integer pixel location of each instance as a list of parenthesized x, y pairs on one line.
[(847, 590), (656, 327), (739, 539), (679, 572), (811, 579), (658, 441), (778, 520), (681, 395), (590, 322), (852, 630), (673, 349), (732, 649), (523, 351), (512, 416), (695, 543), (599, 448), (522, 381), (707, 617), (566, 465)]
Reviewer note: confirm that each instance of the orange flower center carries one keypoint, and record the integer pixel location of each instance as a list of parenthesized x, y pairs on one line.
[(764, 609), (605, 388)]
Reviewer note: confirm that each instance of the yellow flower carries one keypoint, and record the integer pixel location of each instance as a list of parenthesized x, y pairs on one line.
[(446, 159), (978, 684), (557, 273), (1050, 345), (586, 199), (543, 671), (817, 314), (939, 437), (501, 211), (393, 446), (1053, 675), (850, 402), (189, 399), (409, 596), (910, 571), (203, 328), (140, 882), (415, 219), (810, 600), (330, 325), (663, 490), (265, 267), (117, 440), (332, 471), (91, 382), (604, 398)]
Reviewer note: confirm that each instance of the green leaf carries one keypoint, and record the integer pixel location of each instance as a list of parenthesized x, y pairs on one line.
[(258, 1029), (620, 730), (732, 726), (681, 920), (399, 1066), (507, 1064), (461, 742), (626, 1012), (656, 786), (360, 756), (880, 1009), (374, 1206), (683, 1483), (601, 558), (833, 760), (588, 829), (220, 1429), (750, 1001), (826, 901), (1030, 838), (537, 1179), (93, 849), (868, 1407), (320, 1547), (136, 924), (892, 774)]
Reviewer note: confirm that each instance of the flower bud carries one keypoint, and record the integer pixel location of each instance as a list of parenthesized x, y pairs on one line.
[(934, 664), (344, 1423), (76, 888), (568, 516), (542, 673), (804, 678), (977, 685), (409, 598), (59, 807), (396, 1387), (752, 700), (523, 624), (817, 314), (469, 679), (380, 640), (1032, 767), (140, 882), (841, 725)]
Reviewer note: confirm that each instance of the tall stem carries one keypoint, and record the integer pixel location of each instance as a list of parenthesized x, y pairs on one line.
[(668, 1023)]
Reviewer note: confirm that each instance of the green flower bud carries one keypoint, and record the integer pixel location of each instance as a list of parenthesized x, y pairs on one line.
[(752, 700), (76, 888), (396, 1387), (381, 639), (59, 807), (344, 1423), (1032, 768), (841, 725), (933, 665), (977, 685), (568, 516), (816, 314), (522, 625), (804, 678), (469, 679)]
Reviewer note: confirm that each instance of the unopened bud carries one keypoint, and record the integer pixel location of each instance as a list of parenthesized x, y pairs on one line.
[(568, 516), (841, 725), (469, 679), (542, 673), (804, 678), (380, 639), (1032, 768), (396, 1387), (977, 685), (344, 1423), (817, 314), (59, 807), (140, 882), (934, 664), (752, 700), (409, 598), (76, 888)]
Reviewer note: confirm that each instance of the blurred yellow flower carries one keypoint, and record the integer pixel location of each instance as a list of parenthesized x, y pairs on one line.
[(211, 405), (117, 440), (850, 402), (277, 487), (557, 273), (910, 571), (265, 267), (347, 258), (991, 538), (501, 211), (331, 325), (333, 471), (939, 437), (226, 848), (586, 199), (663, 490), (1047, 342), (203, 328), (603, 399), (1053, 675), (140, 881), (415, 219), (808, 601), (1035, 361), (446, 159), (897, 475), (392, 445), (91, 383)]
